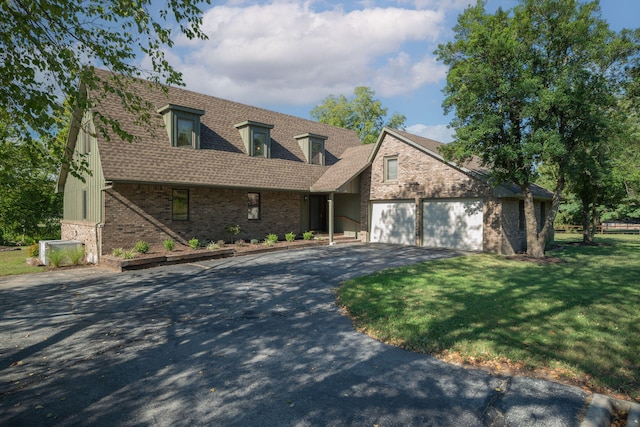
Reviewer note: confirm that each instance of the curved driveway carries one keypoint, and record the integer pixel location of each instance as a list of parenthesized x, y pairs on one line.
[(247, 341)]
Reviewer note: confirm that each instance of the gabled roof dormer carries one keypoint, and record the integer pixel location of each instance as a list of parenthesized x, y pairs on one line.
[(183, 125), (256, 137), (312, 145)]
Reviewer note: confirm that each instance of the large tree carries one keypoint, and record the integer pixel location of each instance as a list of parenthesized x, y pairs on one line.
[(535, 84), (48, 48), (362, 113)]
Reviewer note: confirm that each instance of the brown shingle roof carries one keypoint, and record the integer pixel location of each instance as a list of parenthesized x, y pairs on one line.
[(353, 161), (222, 159)]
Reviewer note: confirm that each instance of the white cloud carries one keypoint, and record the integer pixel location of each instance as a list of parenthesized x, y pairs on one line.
[(440, 133), (289, 53)]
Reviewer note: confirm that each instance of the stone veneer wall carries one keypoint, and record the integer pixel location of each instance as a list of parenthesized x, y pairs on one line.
[(420, 177), (86, 232), (143, 212)]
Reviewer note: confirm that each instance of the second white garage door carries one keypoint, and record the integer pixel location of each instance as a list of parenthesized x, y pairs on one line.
[(393, 222), (455, 224)]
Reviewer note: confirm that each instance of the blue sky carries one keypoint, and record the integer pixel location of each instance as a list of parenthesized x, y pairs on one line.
[(289, 55)]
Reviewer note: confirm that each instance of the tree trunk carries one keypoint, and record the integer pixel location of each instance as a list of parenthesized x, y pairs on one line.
[(535, 248), (587, 236)]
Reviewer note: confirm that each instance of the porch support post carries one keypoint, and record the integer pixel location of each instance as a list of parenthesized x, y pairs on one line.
[(331, 218)]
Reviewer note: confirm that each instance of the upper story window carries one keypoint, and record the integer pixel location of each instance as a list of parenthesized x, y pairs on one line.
[(390, 168), (183, 125), (256, 137), (312, 146)]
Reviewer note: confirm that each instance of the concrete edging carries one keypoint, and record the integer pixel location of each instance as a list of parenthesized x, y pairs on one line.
[(601, 410)]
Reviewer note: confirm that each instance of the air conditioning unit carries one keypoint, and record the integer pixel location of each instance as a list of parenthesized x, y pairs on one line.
[(46, 245)]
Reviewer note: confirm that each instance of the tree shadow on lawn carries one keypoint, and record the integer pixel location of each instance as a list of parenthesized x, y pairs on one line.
[(575, 322)]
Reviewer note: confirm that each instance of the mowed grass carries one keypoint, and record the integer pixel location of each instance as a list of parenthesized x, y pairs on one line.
[(15, 262), (579, 319)]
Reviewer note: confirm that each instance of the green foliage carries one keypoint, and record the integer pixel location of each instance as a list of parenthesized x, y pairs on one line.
[(362, 113), (142, 247), (117, 252), (213, 246), (290, 237), (255, 241), (194, 243), (234, 230), (129, 254), (56, 257), (307, 235), (33, 251), (268, 243), (484, 307), (272, 238), (30, 208), (522, 96), (76, 255), (168, 244), (47, 46)]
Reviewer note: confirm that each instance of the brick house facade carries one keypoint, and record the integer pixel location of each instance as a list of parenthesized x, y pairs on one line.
[(271, 173)]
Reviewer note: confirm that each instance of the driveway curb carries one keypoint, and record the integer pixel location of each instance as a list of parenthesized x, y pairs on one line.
[(601, 410)]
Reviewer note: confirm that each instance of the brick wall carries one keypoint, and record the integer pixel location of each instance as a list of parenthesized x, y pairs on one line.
[(144, 212), (420, 177), (85, 232)]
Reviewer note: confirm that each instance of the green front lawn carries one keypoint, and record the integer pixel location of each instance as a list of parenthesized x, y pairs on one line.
[(15, 262), (579, 319)]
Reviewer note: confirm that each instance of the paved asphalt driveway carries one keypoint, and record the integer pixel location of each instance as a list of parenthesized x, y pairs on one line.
[(247, 341)]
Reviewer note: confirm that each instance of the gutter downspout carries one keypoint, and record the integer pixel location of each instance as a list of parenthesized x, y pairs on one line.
[(331, 218)]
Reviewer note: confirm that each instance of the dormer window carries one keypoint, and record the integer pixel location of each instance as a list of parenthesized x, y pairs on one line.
[(256, 137), (183, 125), (312, 146)]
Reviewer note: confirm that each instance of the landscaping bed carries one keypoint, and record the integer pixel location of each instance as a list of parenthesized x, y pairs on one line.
[(158, 255)]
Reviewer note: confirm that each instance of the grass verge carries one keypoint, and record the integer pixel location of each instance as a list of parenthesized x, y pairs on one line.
[(14, 262), (577, 320)]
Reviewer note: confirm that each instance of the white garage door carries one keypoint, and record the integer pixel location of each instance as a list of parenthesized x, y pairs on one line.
[(455, 224), (393, 222)]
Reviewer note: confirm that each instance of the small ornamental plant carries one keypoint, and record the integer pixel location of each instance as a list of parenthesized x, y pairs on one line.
[(76, 255), (142, 247), (194, 243), (130, 254), (117, 252), (307, 235), (290, 237), (33, 251), (56, 257), (220, 243), (255, 241), (273, 238), (168, 244), (213, 246)]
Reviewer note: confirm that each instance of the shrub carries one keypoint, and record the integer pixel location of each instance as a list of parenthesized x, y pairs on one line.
[(213, 246), (269, 243), (240, 242), (117, 252), (234, 230), (194, 243), (168, 244), (142, 247), (76, 255), (273, 238), (130, 254), (55, 257), (33, 251), (290, 237), (255, 241), (307, 235)]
